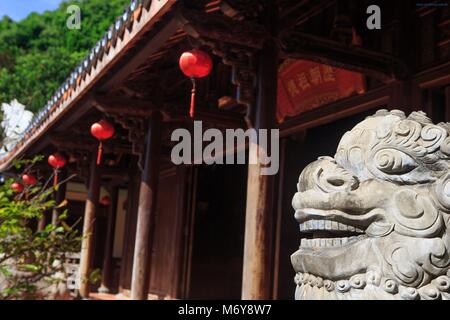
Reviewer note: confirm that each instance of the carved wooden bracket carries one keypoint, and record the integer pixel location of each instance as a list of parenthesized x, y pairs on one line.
[(248, 9), (136, 134), (78, 150), (216, 27), (131, 115), (82, 164)]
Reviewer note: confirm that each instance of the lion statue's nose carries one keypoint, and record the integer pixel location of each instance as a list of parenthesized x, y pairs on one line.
[(327, 176)]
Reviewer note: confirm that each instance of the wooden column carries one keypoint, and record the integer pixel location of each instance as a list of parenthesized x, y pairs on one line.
[(88, 226), (41, 222), (60, 195), (130, 230), (447, 104), (146, 210), (109, 242), (258, 255)]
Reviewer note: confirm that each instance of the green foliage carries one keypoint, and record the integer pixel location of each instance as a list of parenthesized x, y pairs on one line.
[(38, 53), (30, 258)]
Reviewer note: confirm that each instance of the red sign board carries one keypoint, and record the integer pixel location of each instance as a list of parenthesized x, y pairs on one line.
[(305, 85)]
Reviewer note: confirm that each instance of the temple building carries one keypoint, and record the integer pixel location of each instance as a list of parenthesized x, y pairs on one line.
[(310, 68)]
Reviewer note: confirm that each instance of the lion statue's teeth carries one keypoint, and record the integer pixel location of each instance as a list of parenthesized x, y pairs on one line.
[(373, 220)]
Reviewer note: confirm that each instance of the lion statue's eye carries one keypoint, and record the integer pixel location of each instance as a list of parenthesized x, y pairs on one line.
[(393, 161)]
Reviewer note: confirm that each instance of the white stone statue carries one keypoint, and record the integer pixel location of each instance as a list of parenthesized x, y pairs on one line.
[(15, 121), (374, 220)]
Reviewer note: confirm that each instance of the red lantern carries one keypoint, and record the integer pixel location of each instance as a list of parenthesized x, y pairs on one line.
[(102, 130), (57, 161), (29, 179), (195, 64), (17, 187), (105, 200)]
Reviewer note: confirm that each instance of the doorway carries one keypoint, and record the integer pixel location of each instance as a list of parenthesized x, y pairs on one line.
[(218, 232)]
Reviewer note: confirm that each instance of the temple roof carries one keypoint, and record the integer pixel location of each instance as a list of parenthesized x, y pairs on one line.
[(139, 17)]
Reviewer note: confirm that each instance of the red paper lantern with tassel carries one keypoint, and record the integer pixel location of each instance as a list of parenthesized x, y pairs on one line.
[(195, 64), (29, 179), (102, 130), (17, 187), (57, 161)]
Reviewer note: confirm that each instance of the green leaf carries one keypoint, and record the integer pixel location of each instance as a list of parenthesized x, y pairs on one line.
[(5, 271), (62, 204), (59, 230), (31, 267)]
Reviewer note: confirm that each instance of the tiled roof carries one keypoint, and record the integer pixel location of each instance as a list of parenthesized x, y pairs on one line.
[(135, 16)]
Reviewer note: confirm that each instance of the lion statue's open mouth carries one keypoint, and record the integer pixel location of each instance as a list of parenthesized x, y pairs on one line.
[(374, 220)]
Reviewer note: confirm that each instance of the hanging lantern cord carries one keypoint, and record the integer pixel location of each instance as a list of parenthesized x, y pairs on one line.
[(99, 153), (191, 110), (55, 177)]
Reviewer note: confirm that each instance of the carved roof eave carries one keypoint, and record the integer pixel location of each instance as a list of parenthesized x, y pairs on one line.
[(123, 35)]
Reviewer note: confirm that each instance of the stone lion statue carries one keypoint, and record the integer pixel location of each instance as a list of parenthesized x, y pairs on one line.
[(375, 219)]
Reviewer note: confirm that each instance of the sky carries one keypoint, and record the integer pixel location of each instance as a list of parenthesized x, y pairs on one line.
[(19, 9)]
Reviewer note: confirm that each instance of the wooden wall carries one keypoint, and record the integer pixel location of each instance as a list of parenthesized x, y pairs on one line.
[(168, 252), (166, 268)]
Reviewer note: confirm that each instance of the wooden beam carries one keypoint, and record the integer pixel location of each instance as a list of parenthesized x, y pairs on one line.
[(123, 105), (88, 228), (385, 67), (258, 252), (140, 53), (140, 108), (336, 110), (73, 115), (232, 120), (434, 77), (87, 144), (146, 211), (220, 28), (297, 15), (109, 242), (72, 143)]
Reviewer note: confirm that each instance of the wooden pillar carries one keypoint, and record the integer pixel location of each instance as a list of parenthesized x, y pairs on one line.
[(279, 215), (60, 196), (258, 253), (88, 226), (146, 210), (41, 222), (130, 231), (109, 242), (447, 104)]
